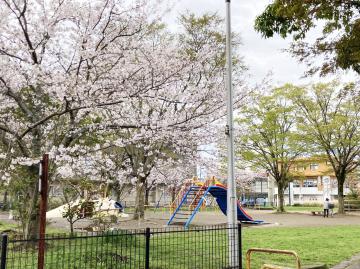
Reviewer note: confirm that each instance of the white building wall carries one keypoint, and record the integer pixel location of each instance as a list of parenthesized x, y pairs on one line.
[(309, 195)]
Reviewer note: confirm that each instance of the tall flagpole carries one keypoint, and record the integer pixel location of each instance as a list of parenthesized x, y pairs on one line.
[(231, 193)]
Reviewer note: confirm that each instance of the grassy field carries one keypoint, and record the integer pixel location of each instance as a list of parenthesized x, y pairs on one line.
[(10, 226), (6, 226), (329, 245)]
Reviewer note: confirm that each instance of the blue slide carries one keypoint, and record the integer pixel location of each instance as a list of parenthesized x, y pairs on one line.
[(220, 193)]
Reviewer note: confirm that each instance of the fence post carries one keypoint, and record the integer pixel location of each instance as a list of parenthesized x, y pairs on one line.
[(147, 248), (4, 244), (240, 245), (43, 188)]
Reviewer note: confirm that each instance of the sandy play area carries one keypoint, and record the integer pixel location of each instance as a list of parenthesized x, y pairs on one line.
[(159, 219)]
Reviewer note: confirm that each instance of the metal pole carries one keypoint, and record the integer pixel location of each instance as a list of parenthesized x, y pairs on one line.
[(289, 195), (43, 186), (4, 244), (231, 193)]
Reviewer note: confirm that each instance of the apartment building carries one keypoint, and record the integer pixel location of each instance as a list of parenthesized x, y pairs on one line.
[(314, 181)]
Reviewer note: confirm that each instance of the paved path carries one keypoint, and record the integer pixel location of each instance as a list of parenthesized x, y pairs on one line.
[(304, 219), (159, 219), (353, 263)]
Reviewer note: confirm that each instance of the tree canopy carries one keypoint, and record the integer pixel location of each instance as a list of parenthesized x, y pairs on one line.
[(329, 115), (339, 43), (269, 139)]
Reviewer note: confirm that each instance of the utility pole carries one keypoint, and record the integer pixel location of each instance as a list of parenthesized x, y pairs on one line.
[(43, 187), (229, 131)]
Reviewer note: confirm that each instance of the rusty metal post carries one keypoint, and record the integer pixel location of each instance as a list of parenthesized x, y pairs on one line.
[(43, 188)]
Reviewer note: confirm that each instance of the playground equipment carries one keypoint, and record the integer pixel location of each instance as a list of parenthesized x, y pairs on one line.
[(272, 251), (281, 252), (191, 198), (107, 206)]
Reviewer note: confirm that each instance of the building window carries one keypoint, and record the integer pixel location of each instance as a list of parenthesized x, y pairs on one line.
[(296, 184), (310, 183), (314, 166), (300, 168)]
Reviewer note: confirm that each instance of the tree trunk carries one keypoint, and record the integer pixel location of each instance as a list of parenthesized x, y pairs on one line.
[(30, 206), (140, 199), (31, 220), (118, 195), (341, 196), (281, 207), (71, 227), (173, 194), (5, 201), (147, 191)]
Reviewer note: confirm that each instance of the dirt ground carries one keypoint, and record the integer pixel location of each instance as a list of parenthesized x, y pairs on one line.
[(159, 219), (304, 219), (271, 219)]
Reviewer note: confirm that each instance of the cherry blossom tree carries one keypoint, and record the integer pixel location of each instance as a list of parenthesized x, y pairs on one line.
[(62, 63), (78, 78), (175, 117)]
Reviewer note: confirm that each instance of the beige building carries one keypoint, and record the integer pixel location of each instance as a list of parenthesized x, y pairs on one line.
[(314, 181)]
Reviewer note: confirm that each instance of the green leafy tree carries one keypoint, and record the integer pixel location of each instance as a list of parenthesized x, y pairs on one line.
[(78, 204), (340, 38), (329, 114), (269, 139)]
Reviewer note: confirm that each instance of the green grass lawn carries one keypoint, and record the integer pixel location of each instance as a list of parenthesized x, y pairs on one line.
[(329, 245), (11, 226), (6, 226)]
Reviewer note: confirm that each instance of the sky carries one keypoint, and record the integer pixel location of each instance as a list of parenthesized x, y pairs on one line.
[(262, 56)]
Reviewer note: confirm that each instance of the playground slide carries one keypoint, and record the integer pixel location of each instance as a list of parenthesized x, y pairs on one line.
[(220, 193)]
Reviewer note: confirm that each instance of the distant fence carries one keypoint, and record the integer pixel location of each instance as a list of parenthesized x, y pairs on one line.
[(352, 205), (199, 247)]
